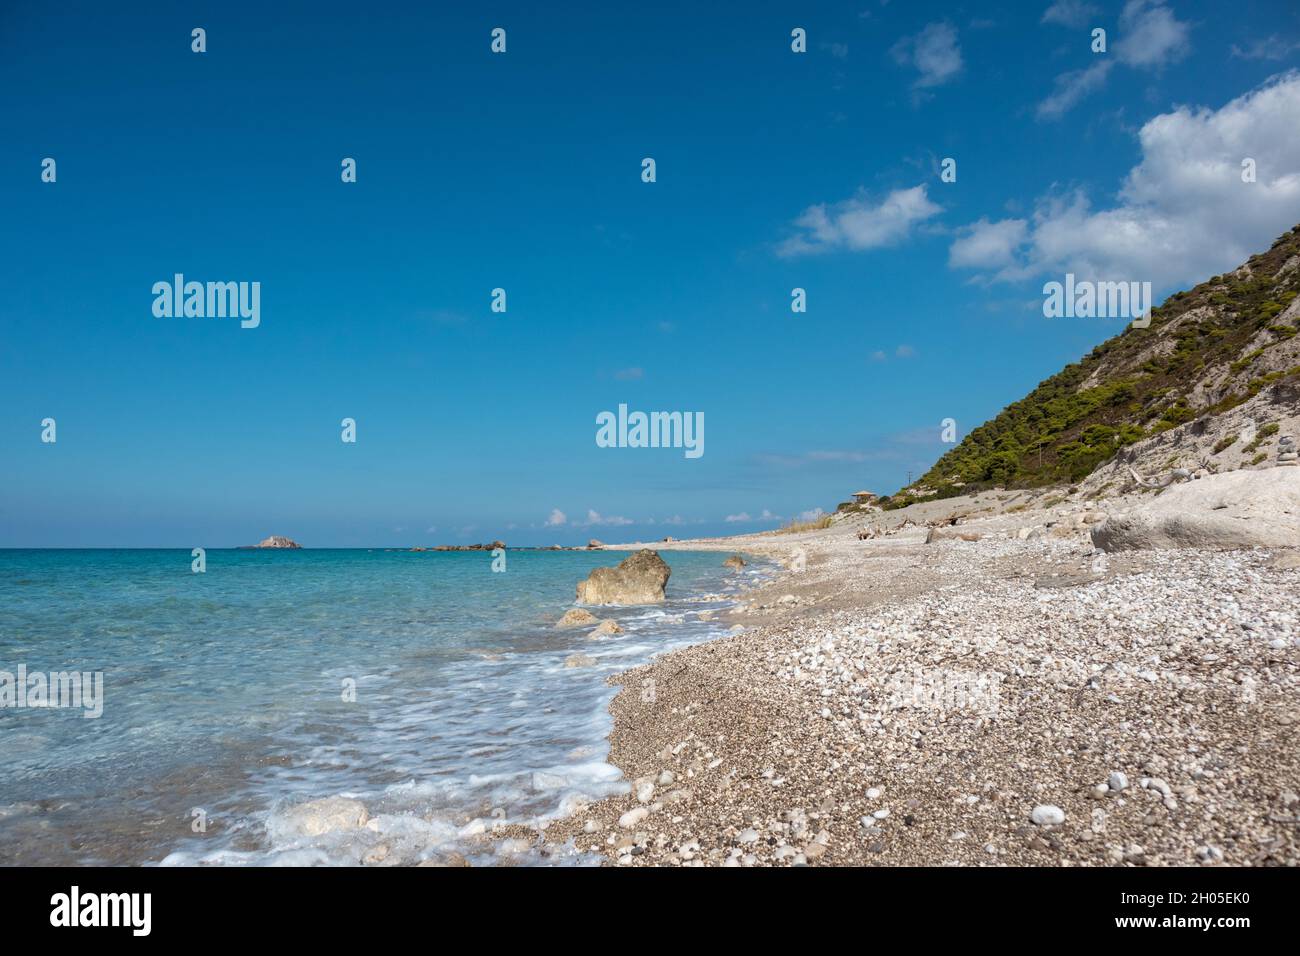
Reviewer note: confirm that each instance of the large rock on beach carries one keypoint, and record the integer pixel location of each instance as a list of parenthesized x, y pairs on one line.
[(936, 535), (638, 579), (1239, 509)]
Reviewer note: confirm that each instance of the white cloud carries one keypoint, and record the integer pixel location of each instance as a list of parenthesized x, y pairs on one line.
[(596, 518), (904, 351), (934, 52), (1183, 214), (1071, 87), (630, 374), (744, 517), (1069, 13), (858, 223), (1150, 36), (556, 519), (1269, 48), (988, 245)]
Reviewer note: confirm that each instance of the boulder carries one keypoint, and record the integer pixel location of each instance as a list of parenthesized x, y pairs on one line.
[(593, 544), (579, 660), (327, 815), (937, 535), (576, 617), (735, 561), (1238, 509), (638, 579)]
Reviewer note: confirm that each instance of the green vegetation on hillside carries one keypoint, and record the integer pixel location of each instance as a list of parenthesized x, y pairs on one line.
[(1139, 383)]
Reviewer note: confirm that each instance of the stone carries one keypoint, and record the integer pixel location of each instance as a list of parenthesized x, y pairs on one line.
[(327, 815), (376, 855), (593, 544), (605, 628), (735, 561), (630, 819), (1045, 814), (579, 660), (576, 617), (638, 579), (936, 535), (1237, 509), (1117, 781)]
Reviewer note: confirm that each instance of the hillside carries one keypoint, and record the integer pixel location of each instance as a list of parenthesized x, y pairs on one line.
[(1210, 384)]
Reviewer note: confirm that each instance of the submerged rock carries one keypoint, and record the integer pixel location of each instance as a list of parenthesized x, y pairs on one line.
[(735, 561), (318, 817), (1239, 509), (576, 617), (605, 628), (638, 579)]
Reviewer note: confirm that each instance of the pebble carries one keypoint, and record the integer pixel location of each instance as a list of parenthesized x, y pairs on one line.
[(1046, 814), (630, 819)]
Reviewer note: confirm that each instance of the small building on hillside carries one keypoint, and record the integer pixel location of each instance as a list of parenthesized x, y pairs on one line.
[(864, 497)]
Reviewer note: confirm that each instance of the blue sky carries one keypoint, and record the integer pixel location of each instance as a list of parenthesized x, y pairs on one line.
[(521, 170)]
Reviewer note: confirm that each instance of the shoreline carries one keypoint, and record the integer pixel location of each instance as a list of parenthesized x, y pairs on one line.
[(905, 703)]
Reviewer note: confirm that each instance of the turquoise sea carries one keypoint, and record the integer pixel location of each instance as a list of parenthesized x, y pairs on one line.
[(227, 698)]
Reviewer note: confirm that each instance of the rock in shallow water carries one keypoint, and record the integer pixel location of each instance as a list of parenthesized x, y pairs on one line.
[(638, 579), (605, 628), (576, 617), (327, 815)]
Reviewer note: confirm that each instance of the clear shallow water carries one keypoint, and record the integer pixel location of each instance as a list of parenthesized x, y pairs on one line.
[(224, 692)]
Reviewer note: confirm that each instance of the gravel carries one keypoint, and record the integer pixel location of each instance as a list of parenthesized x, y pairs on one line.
[(981, 703)]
